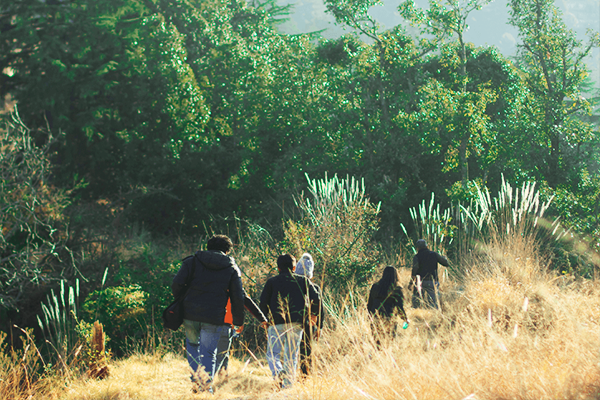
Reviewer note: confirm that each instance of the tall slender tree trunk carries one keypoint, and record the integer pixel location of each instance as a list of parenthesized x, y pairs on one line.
[(464, 163)]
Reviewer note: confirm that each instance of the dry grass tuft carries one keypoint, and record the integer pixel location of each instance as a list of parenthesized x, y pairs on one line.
[(98, 369)]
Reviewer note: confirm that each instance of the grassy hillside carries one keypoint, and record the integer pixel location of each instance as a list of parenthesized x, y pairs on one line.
[(508, 330), (510, 327)]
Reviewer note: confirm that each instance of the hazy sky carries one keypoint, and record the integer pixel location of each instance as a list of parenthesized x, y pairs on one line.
[(486, 27)]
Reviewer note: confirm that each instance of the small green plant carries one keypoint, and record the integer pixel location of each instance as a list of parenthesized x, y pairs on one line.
[(59, 323)]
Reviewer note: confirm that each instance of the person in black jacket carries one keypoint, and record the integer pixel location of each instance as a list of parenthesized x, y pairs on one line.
[(386, 300), (425, 267), (305, 267), (288, 300), (386, 295), (216, 280)]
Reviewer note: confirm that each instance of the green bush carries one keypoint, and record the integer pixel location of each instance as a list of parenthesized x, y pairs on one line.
[(121, 310), (337, 227)]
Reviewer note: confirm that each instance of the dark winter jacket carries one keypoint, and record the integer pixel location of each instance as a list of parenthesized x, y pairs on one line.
[(288, 297), (425, 264), (216, 279), (384, 305)]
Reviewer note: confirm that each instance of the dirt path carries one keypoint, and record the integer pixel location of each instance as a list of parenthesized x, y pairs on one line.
[(166, 378)]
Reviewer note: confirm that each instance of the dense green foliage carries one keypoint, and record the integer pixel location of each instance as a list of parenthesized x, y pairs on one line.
[(33, 238), (180, 118)]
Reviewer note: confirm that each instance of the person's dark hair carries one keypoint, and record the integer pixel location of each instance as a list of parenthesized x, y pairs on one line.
[(421, 244), (219, 243), (286, 262), (388, 281)]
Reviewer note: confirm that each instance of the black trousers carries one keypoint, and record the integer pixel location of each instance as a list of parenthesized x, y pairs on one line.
[(306, 358)]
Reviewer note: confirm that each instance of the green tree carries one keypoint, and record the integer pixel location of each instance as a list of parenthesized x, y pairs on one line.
[(553, 63), (464, 112), (33, 225), (113, 77)]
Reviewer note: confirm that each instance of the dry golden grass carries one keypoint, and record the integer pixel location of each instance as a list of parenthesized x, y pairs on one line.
[(552, 354), (167, 377), (509, 330)]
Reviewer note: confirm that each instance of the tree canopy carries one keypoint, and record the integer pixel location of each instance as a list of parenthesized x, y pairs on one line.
[(172, 112)]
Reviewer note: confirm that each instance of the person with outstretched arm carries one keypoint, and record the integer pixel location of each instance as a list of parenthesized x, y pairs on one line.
[(425, 273)]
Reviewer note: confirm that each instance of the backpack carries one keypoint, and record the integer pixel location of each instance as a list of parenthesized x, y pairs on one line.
[(172, 316)]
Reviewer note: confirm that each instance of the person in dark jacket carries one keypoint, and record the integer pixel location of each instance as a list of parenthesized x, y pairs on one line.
[(288, 300), (228, 334), (386, 300), (305, 267), (424, 276), (216, 280), (386, 295)]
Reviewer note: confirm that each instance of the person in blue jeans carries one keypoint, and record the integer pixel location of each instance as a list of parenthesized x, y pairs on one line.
[(216, 280), (289, 301), (229, 333)]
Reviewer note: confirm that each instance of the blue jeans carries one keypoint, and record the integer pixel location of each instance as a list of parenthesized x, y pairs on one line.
[(284, 338), (201, 347), (223, 347)]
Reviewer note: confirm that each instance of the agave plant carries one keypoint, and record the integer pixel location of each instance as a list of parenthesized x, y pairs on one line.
[(513, 212), (60, 320), (432, 224)]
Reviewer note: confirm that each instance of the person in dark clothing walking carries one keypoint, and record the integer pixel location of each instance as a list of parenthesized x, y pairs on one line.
[(288, 300), (224, 344), (216, 281), (386, 300), (386, 295), (305, 267), (424, 276)]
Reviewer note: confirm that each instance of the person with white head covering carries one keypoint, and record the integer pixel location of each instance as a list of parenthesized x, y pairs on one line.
[(306, 267)]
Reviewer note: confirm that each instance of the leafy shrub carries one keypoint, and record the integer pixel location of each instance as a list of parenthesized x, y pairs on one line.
[(337, 227), (33, 236), (121, 310)]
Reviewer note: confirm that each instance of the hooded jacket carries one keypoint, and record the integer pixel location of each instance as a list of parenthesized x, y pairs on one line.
[(216, 280), (288, 297)]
